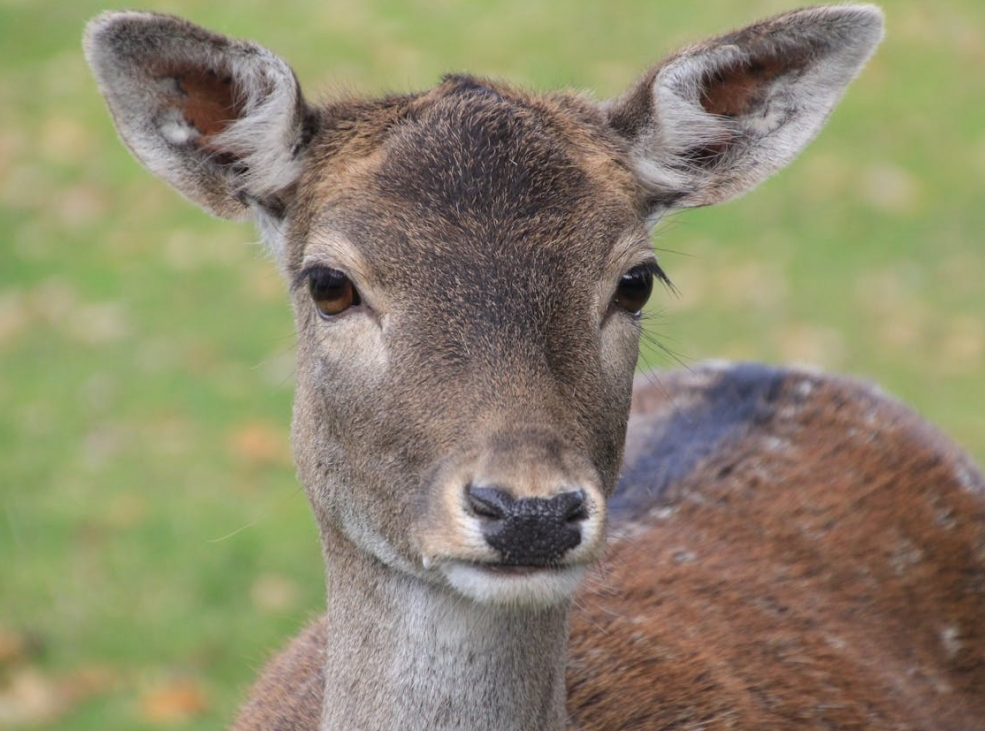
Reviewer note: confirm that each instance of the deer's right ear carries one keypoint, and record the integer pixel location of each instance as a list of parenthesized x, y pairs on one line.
[(717, 119), (221, 120)]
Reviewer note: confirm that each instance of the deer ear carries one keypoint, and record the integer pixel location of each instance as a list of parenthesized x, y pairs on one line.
[(717, 119), (221, 120)]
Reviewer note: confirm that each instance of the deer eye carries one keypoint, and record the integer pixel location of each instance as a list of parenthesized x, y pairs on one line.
[(634, 288), (332, 291)]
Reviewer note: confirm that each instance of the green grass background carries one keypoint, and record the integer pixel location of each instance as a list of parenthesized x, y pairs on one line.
[(154, 545)]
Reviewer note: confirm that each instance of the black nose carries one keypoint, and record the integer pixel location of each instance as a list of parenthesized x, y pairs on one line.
[(531, 531)]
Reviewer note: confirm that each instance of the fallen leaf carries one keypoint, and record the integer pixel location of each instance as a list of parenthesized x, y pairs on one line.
[(13, 647), (261, 443), (174, 701)]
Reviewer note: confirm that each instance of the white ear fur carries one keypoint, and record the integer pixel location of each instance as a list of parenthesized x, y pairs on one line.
[(221, 120), (717, 119)]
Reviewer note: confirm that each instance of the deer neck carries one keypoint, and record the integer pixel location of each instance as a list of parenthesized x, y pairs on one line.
[(405, 654)]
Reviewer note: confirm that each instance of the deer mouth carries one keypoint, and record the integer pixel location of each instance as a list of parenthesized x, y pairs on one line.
[(514, 585), (509, 569), (503, 568)]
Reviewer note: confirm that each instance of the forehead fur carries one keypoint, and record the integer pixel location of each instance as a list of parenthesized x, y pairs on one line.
[(470, 160)]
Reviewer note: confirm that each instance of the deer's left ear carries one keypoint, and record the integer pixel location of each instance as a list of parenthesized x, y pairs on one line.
[(717, 119), (222, 120)]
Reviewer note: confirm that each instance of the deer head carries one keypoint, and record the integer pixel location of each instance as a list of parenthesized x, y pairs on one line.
[(468, 266)]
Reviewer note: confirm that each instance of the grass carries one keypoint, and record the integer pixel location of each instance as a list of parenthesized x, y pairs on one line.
[(155, 545)]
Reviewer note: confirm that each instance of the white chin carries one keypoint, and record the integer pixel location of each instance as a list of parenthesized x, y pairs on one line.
[(520, 587)]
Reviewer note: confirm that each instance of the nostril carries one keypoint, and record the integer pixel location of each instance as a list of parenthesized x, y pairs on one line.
[(488, 502), (571, 505)]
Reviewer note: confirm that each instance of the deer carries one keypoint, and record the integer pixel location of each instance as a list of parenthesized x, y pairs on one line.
[(518, 533)]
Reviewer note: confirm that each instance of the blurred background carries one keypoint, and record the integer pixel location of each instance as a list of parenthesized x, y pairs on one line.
[(154, 544)]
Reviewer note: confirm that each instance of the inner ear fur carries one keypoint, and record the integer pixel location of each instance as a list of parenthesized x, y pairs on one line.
[(222, 120), (210, 101), (716, 119)]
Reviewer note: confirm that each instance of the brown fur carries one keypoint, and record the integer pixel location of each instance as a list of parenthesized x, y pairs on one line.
[(824, 567)]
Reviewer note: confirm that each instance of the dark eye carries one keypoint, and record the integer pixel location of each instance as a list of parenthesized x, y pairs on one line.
[(634, 288), (332, 291)]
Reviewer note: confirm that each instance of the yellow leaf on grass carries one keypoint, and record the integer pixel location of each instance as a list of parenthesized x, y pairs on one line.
[(172, 702), (260, 443)]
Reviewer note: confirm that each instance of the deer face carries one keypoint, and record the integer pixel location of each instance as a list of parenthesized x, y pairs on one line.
[(462, 401), (467, 266)]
